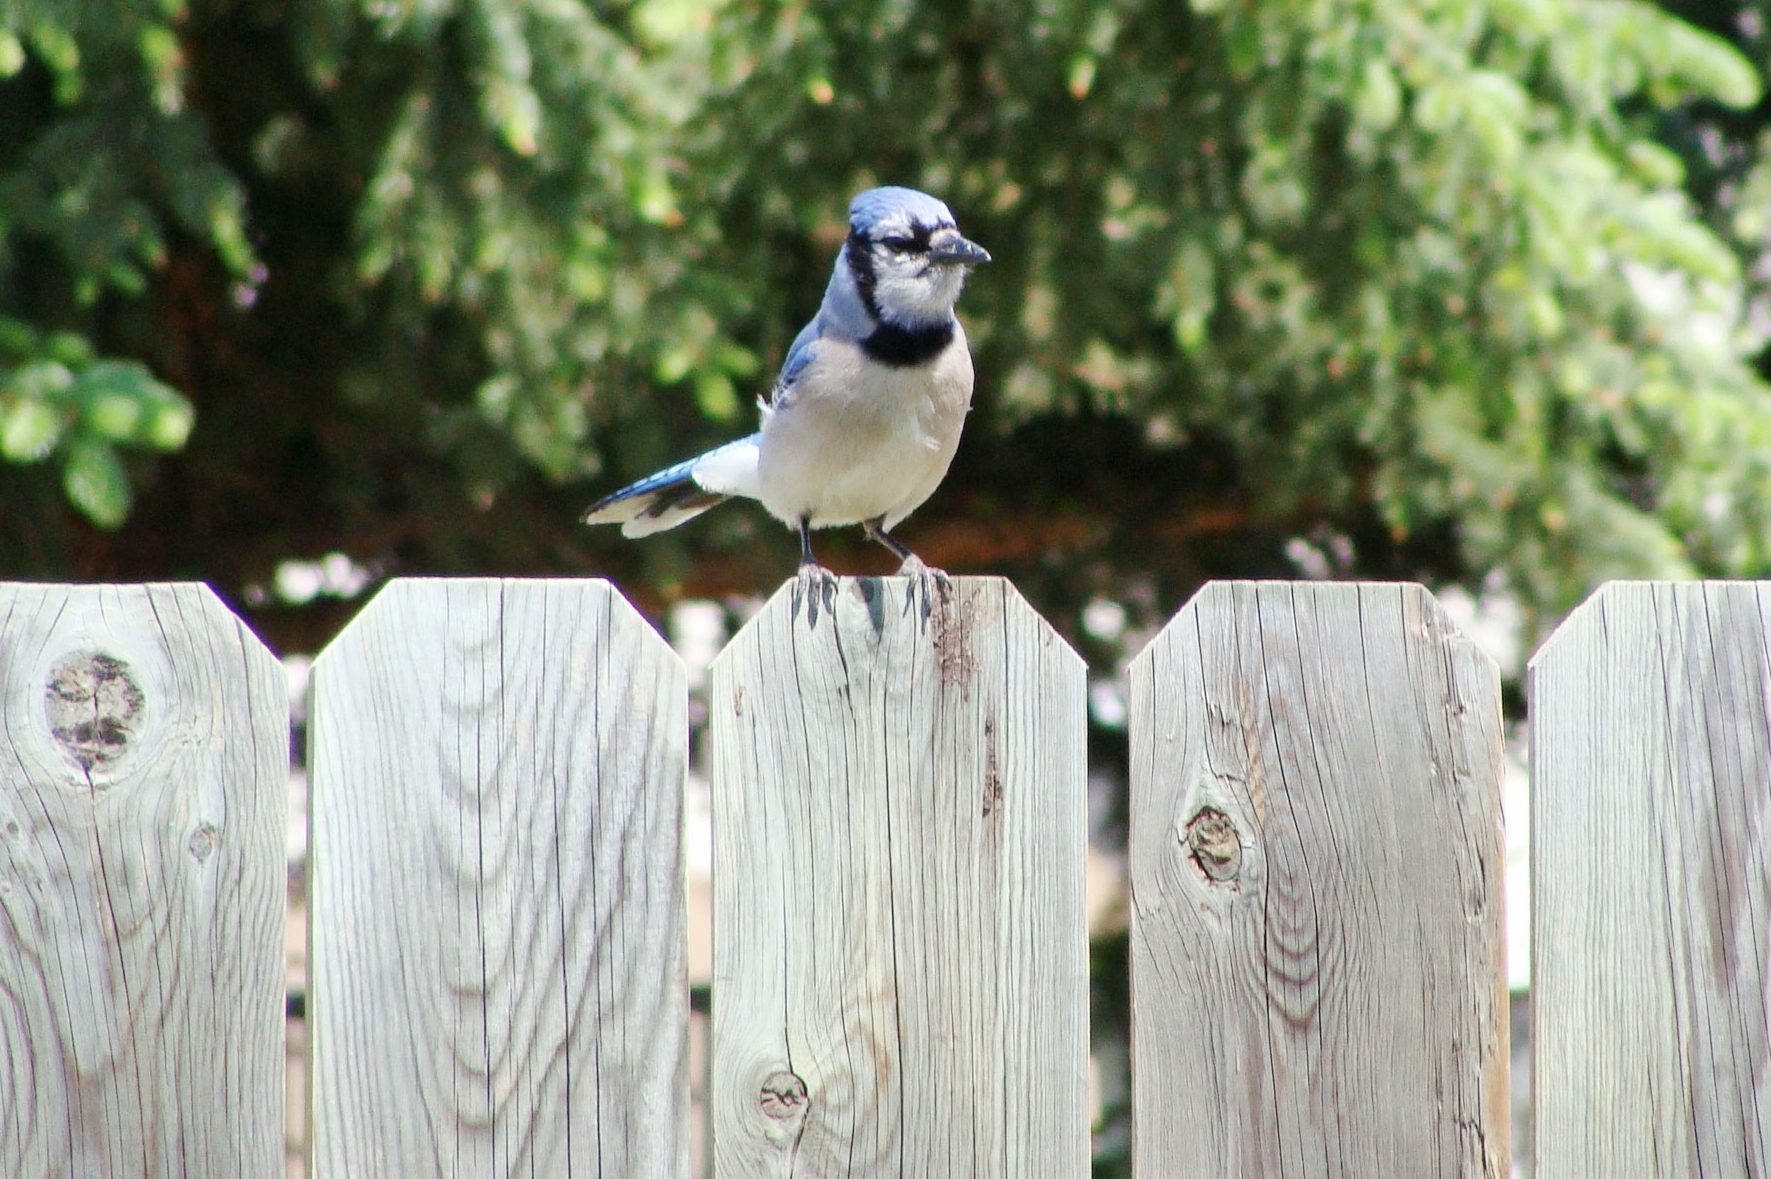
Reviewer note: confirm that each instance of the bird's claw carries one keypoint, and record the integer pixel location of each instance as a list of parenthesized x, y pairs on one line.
[(928, 580), (815, 586)]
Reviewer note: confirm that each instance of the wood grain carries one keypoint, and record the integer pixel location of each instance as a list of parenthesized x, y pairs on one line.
[(1651, 884), (1317, 982), (496, 915), (144, 759), (900, 968)]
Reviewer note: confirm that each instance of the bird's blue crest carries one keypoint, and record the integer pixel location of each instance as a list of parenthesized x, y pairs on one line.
[(878, 204)]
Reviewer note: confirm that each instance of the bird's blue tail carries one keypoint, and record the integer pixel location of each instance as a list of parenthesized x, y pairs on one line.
[(678, 493)]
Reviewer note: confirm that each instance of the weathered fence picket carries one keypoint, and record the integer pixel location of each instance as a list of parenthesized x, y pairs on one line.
[(497, 926), (496, 905), (1651, 884), (144, 767), (900, 967), (1317, 984)]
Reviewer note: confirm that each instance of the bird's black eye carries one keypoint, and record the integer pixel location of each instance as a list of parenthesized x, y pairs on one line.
[(898, 245)]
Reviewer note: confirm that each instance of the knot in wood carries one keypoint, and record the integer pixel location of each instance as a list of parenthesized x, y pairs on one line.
[(93, 706), (203, 842), (783, 1096), (1216, 850)]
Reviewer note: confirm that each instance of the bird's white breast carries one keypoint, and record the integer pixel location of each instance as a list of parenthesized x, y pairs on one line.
[(859, 440)]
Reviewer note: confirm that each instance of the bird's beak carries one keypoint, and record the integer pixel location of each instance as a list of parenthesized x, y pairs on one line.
[(957, 251)]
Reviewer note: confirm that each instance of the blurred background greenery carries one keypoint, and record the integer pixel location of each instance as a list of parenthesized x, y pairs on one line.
[(297, 295)]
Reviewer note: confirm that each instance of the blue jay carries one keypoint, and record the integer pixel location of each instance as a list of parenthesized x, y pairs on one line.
[(863, 421)]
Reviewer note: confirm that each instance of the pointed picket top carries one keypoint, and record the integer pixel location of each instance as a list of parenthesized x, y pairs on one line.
[(1315, 868), (1422, 609), (109, 690), (406, 597), (497, 930), (875, 606), (1590, 613), (898, 771), (141, 882)]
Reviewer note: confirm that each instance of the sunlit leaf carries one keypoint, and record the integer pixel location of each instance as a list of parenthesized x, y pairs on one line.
[(12, 54), (29, 430), (169, 425), (95, 482), (1377, 103), (716, 396)]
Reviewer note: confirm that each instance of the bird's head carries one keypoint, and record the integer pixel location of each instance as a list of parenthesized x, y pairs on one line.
[(907, 258)]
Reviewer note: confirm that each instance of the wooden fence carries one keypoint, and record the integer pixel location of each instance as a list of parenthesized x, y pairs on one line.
[(497, 922)]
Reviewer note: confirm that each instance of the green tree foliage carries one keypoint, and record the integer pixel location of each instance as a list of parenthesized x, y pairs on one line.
[(1420, 284), (1417, 259), (100, 162)]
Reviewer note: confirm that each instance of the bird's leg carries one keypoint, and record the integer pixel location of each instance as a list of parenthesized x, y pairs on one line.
[(912, 564), (817, 583), (876, 531), (926, 576)]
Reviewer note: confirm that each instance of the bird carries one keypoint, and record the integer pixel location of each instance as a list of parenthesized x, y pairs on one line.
[(864, 418)]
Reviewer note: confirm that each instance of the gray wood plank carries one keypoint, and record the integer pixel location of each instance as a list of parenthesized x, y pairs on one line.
[(144, 760), (496, 906), (1651, 884), (1316, 935), (900, 961)]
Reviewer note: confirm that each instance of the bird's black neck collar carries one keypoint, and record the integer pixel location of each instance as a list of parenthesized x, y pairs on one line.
[(897, 347)]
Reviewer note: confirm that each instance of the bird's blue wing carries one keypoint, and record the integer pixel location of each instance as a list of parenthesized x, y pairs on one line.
[(799, 357)]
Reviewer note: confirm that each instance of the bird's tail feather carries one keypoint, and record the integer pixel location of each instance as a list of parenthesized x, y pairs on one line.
[(677, 493)]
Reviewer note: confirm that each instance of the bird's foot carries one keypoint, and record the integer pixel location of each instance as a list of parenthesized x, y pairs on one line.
[(813, 574), (814, 588), (914, 566), (925, 580)]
